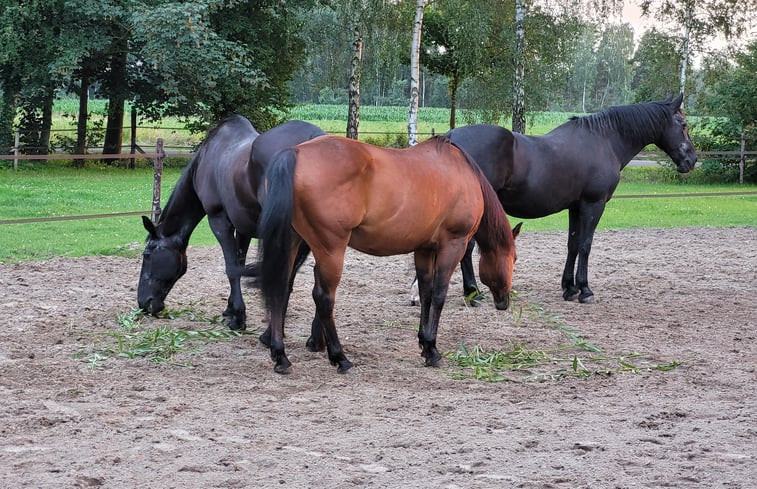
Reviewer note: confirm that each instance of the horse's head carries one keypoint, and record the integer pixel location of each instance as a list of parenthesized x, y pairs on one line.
[(496, 270), (164, 261), (675, 140)]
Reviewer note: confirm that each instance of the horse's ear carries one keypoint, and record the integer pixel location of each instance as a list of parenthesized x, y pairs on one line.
[(149, 226), (676, 102), (669, 98), (516, 230)]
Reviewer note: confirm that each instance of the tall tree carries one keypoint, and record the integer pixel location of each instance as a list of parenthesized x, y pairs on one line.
[(655, 67), (415, 48), (612, 79), (519, 92), (700, 21)]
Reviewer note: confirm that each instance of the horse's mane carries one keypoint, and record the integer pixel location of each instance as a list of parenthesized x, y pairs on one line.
[(180, 187), (494, 222), (643, 121)]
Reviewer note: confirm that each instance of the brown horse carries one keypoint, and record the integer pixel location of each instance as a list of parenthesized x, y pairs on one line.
[(430, 199)]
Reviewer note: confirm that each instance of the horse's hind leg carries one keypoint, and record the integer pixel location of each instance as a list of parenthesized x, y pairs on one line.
[(328, 272), (590, 214)]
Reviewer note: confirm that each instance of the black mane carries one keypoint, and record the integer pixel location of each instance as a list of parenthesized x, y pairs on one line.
[(643, 121)]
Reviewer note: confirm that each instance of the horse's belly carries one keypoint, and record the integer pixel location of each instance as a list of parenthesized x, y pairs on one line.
[(383, 243)]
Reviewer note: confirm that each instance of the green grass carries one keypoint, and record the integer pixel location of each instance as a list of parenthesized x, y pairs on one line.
[(49, 190), (377, 121), (68, 192), (32, 193)]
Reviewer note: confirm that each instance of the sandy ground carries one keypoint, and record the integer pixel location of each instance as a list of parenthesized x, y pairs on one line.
[(226, 420)]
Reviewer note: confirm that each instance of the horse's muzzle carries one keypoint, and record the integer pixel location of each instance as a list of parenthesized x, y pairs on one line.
[(503, 304), (152, 306)]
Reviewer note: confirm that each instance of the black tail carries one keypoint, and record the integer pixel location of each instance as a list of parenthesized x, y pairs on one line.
[(275, 227)]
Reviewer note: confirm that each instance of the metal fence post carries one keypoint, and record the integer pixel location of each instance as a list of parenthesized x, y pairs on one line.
[(157, 177)]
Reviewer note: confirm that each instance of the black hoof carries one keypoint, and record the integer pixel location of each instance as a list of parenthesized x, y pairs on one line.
[(570, 294), (432, 356), (237, 325), (265, 339), (315, 346), (344, 366), (283, 369), (434, 361), (586, 299)]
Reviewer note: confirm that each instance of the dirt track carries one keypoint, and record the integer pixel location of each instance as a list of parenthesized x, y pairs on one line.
[(682, 295)]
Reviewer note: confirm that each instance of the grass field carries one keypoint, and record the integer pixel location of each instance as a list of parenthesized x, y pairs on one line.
[(68, 192), (53, 190), (377, 124)]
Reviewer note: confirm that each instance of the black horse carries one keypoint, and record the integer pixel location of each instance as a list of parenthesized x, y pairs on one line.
[(576, 166), (219, 182)]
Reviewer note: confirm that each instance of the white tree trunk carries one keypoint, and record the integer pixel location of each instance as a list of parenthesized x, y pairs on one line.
[(686, 44), (519, 93), (415, 70), (353, 111)]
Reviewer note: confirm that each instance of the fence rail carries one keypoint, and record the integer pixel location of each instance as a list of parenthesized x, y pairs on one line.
[(159, 155)]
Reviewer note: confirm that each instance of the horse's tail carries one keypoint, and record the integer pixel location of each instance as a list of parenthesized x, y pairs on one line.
[(495, 227), (275, 228)]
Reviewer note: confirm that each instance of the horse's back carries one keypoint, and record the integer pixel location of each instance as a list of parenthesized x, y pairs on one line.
[(221, 180), (385, 201)]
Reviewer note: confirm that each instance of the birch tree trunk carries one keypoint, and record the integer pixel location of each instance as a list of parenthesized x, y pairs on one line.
[(415, 54), (353, 115), (519, 95), (686, 44)]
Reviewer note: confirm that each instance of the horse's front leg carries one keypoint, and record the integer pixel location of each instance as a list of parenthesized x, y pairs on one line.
[(235, 314), (470, 287), (570, 291), (447, 258), (590, 214)]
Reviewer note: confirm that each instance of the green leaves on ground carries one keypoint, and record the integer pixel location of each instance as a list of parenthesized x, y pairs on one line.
[(578, 358), (154, 339)]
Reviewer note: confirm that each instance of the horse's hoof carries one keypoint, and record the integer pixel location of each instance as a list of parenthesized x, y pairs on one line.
[(265, 340), (314, 346), (474, 297), (586, 299), (344, 366), (237, 326), (434, 362), (283, 369), (570, 295)]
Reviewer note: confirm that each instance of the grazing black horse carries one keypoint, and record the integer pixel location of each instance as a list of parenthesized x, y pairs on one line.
[(219, 183), (576, 166)]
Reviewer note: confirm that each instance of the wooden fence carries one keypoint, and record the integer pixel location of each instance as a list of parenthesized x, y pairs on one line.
[(159, 156), (157, 160)]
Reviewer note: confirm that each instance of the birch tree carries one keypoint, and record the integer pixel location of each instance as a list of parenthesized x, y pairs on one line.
[(519, 93), (415, 70), (700, 21)]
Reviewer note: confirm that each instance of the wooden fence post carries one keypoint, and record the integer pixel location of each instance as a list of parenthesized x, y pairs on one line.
[(15, 150), (742, 157), (133, 162), (157, 177)]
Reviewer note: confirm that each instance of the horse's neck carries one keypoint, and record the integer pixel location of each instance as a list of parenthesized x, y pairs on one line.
[(626, 148), (183, 211)]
